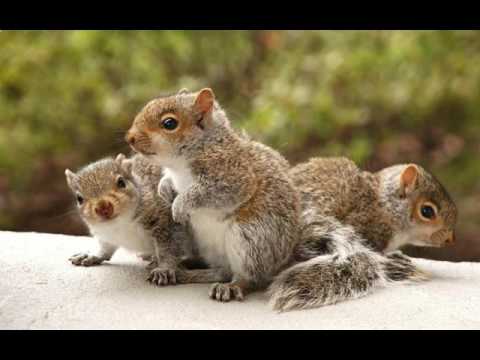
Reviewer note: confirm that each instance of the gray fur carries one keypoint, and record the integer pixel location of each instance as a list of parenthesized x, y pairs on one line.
[(349, 218), (171, 242), (239, 185)]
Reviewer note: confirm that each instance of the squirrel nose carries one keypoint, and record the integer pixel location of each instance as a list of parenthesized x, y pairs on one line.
[(104, 209), (130, 138), (450, 239)]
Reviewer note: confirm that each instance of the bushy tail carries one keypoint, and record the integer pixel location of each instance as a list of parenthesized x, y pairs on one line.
[(329, 279), (350, 271)]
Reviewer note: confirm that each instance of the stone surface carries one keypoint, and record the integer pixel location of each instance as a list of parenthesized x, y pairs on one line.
[(40, 289)]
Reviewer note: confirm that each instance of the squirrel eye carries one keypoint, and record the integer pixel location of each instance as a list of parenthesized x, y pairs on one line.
[(79, 199), (169, 123), (121, 183), (427, 211)]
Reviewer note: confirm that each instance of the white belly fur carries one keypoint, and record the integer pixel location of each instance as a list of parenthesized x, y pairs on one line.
[(180, 175), (211, 232), (217, 239), (124, 232)]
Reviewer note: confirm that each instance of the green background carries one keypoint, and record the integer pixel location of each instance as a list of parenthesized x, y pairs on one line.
[(378, 97)]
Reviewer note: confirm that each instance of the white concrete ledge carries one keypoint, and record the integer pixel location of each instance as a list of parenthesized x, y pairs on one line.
[(40, 289)]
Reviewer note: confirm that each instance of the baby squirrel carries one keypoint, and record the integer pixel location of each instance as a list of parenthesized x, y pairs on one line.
[(399, 205), (117, 199), (350, 217), (234, 193)]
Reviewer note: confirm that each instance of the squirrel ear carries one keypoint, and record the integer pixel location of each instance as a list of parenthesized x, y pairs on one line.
[(183, 91), (119, 159), (124, 163), (204, 101), (70, 177), (408, 179)]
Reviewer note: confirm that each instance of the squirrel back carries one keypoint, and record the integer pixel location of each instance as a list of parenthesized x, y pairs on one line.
[(348, 217), (399, 205)]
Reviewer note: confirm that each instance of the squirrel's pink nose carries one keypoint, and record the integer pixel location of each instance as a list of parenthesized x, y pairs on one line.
[(104, 209)]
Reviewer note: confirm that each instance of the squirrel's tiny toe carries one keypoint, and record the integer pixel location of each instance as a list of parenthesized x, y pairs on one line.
[(212, 291), (225, 296), (238, 293), (172, 277)]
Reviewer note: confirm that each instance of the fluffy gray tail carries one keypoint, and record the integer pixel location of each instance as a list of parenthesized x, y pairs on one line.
[(350, 271)]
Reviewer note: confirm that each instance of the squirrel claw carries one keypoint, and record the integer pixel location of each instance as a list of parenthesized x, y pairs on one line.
[(162, 277), (226, 292)]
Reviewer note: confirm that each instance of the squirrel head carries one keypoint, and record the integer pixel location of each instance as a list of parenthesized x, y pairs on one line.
[(167, 126), (104, 189), (431, 212)]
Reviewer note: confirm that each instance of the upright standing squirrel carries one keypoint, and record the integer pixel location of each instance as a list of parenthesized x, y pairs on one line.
[(351, 216), (117, 199), (234, 192)]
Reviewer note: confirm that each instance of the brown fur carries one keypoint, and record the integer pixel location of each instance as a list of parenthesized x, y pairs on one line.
[(97, 183), (349, 218), (243, 181), (373, 204)]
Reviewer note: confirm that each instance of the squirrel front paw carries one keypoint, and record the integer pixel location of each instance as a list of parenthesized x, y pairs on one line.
[(179, 212), (84, 259), (166, 191), (225, 292), (162, 276)]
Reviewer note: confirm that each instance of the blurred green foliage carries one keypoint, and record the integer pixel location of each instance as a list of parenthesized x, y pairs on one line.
[(379, 97)]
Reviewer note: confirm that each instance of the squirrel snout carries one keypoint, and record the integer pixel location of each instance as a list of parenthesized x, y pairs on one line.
[(104, 209), (450, 239), (130, 138)]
